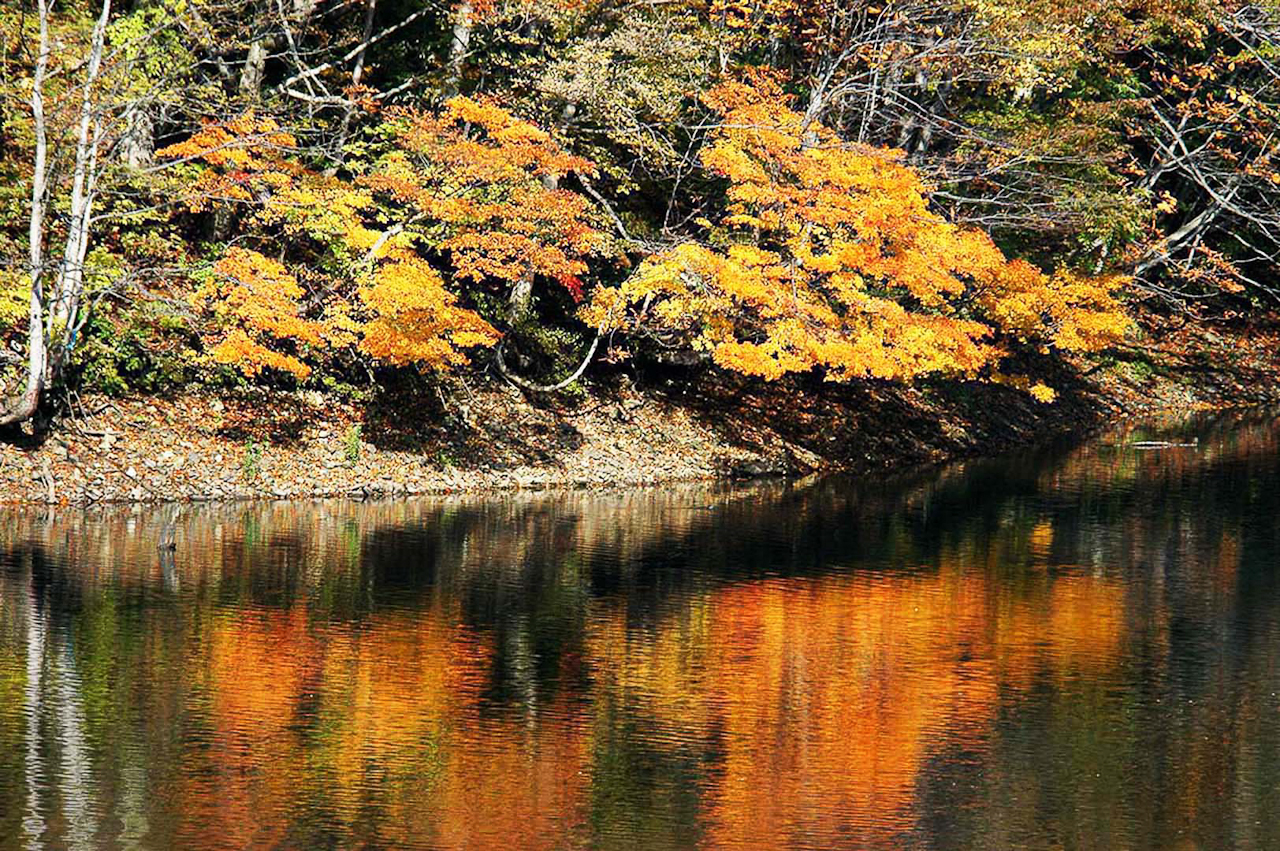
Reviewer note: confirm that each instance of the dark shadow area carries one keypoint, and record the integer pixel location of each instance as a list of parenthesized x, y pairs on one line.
[(23, 438), (275, 418), (499, 430), (863, 425)]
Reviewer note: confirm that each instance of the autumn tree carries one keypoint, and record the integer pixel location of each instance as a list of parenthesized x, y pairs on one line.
[(451, 204), (1136, 136), (93, 83), (344, 206), (830, 257), (1204, 145)]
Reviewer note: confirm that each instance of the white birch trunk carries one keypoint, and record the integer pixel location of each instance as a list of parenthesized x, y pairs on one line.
[(22, 408), (70, 282)]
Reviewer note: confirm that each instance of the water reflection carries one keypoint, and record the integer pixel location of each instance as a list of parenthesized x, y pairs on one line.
[(1071, 648)]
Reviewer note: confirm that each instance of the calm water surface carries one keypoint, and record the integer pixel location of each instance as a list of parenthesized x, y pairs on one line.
[(1073, 648)]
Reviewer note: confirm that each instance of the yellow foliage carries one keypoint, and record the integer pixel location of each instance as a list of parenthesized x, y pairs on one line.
[(1039, 391), (476, 176), (484, 180), (416, 320), (488, 178), (839, 264), (15, 298), (259, 300), (326, 209), (1043, 392)]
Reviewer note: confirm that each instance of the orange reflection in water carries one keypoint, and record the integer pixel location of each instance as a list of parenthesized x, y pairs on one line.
[(304, 682), (824, 699), (377, 725), (829, 694), (254, 668)]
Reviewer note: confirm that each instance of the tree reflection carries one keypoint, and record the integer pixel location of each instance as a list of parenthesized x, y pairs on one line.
[(1073, 647)]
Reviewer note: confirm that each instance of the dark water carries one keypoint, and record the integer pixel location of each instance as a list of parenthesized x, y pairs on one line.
[(1074, 648)]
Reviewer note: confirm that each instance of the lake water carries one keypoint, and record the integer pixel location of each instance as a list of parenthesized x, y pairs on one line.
[(1077, 647)]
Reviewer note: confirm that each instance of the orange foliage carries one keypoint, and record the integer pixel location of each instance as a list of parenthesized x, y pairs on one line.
[(244, 156), (489, 179), (483, 180), (415, 319), (492, 11), (835, 261), (473, 182)]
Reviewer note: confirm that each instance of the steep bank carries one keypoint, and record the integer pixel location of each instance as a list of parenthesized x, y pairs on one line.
[(663, 426)]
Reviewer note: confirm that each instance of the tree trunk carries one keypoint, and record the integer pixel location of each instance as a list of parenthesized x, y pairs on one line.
[(358, 71), (42, 365), (254, 70), (70, 283), (137, 145), (24, 407), (458, 47), (520, 299)]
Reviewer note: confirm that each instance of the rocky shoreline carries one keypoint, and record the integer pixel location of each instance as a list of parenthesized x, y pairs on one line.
[(259, 444), (203, 448)]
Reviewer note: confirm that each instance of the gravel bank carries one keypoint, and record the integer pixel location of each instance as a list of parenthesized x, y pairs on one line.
[(282, 446), (697, 426)]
